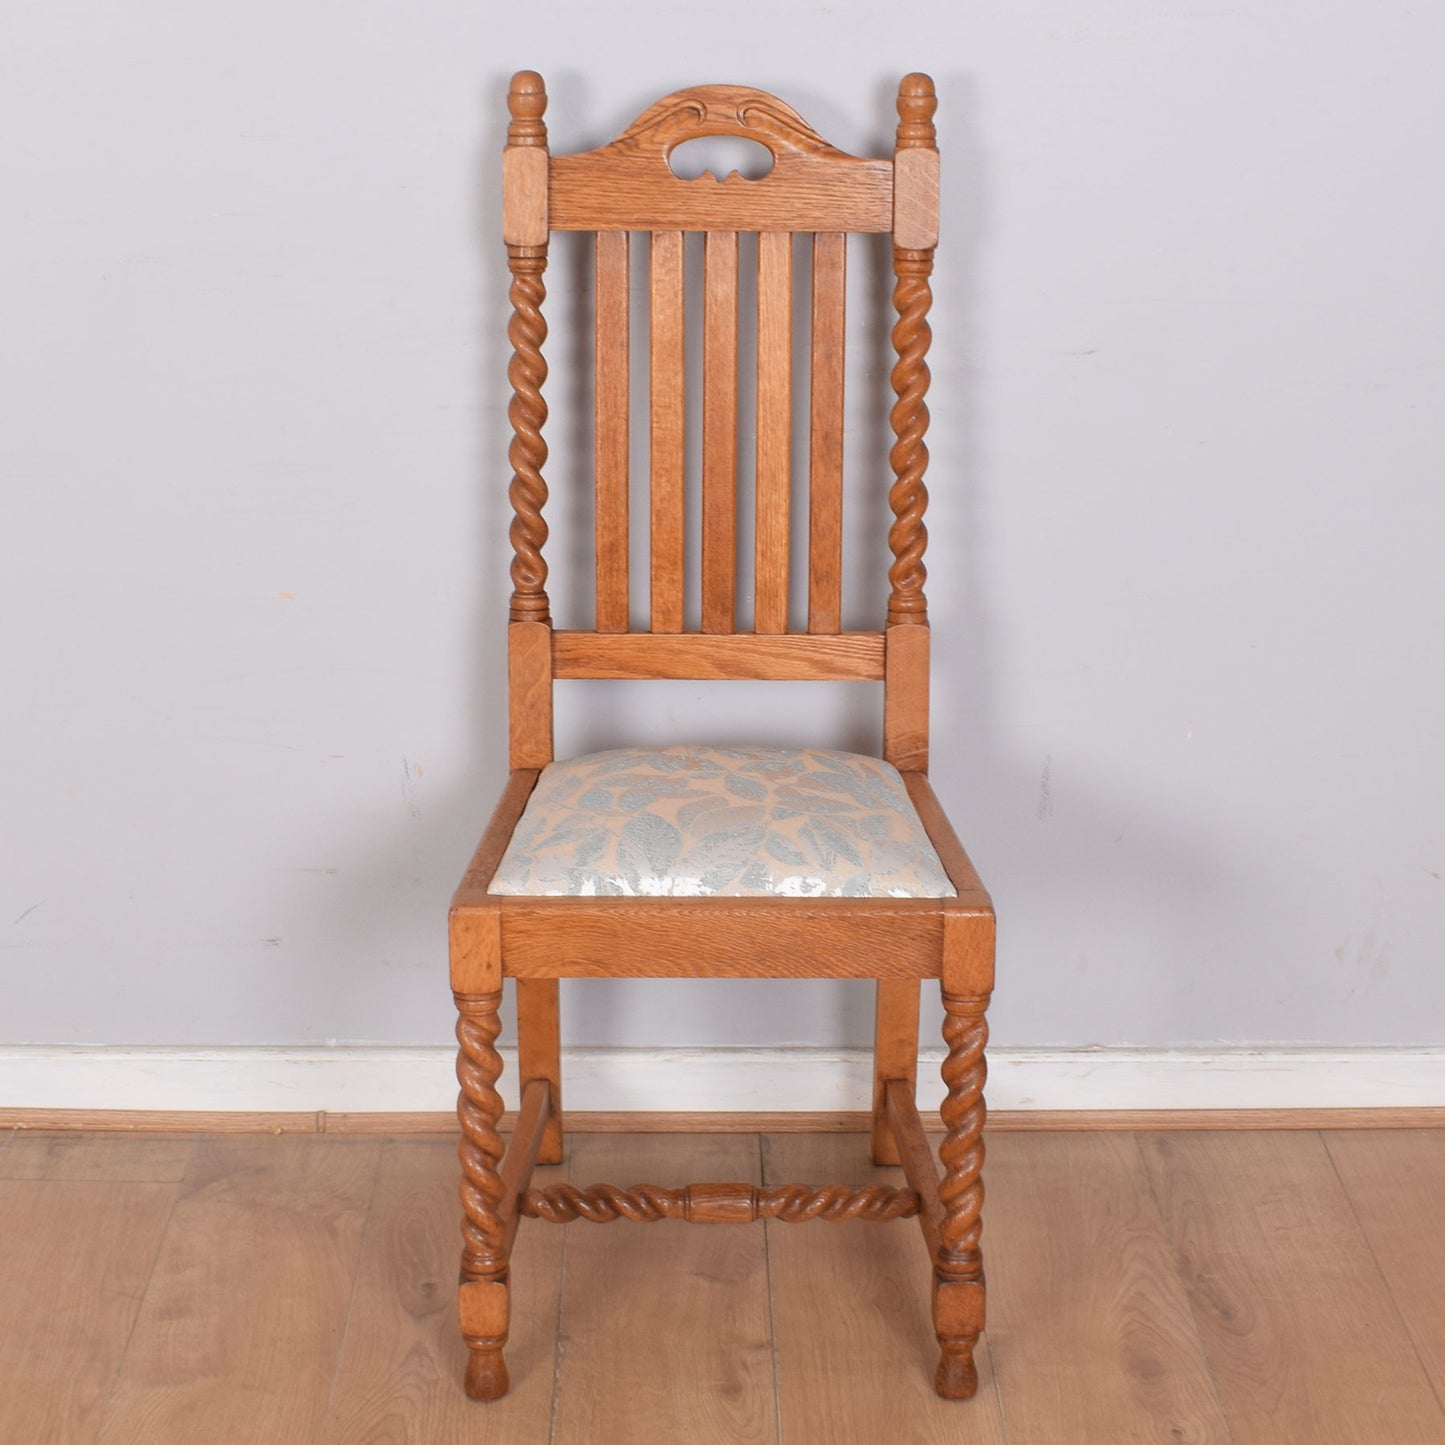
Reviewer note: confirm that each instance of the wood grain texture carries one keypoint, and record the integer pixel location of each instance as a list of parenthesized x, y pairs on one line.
[(524, 163), (539, 1052), (812, 186), (915, 165), (666, 367), (1090, 1330), (956, 863), (667, 1379), (1264, 1237), (113, 1158), (905, 698), (612, 392), (399, 1381), (969, 948), (474, 947), (774, 462), (524, 196), (720, 937), (895, 1054), (1213, 1120), (138, 1123), (523, 1147), (529, 694), (241, 1327), (915, 198), (720, 431), (1088, 1294), (862, 202), (1395, 1181), (916, 1158), (76, 1257), (855, 1343), (843, 657), (825, 435), (696, 1122), (472, 890)]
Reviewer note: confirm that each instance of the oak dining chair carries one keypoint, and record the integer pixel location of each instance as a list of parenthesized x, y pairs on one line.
[(703, 862)]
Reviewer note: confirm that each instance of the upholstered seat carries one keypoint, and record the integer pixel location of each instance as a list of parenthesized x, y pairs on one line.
[(732, 822)]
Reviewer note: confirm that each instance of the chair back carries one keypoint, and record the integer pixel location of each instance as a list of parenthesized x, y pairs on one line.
[(627, 189)]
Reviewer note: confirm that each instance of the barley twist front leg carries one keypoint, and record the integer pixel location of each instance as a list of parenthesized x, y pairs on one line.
[(484, 1293), (958, 1288)]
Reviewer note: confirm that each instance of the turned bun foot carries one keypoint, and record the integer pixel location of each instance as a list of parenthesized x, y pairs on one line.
[(487, 1377), (957, 1377)]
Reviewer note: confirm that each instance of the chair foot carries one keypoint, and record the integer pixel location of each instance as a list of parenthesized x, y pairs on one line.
[(957, 1375), (487, 1377)]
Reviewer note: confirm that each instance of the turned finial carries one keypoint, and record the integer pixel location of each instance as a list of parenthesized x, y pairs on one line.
[(916, 104), (527, 101)]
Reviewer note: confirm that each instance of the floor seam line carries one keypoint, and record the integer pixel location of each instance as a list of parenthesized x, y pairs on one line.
[(1379, 1270)]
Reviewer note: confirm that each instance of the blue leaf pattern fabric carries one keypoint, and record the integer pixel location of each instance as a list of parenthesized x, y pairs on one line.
[(737, 822)]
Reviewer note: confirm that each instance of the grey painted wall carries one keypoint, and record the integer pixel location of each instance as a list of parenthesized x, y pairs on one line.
[(1190, 342)]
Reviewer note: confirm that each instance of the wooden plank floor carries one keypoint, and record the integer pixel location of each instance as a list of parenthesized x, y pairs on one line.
[(1234, 1287)]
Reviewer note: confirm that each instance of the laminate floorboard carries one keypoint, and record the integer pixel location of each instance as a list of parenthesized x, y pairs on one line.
[(665, 1326), (75, 1256), (1395, 1179), (1242, 1287), (118, 1158), (851, 1310), (1304, 1338), (1092, 1333), (241, 1329), (400, 1377)]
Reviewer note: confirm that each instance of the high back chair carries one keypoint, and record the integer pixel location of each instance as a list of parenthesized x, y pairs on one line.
[(696, 862)]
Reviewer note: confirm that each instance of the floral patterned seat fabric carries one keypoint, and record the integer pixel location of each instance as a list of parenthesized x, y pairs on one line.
[(738, 822)]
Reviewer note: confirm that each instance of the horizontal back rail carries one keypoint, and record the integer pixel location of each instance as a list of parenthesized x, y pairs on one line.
[(836, 657), (824, 205)]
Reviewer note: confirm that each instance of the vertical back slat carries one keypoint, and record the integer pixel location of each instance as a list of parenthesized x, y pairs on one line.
[(825, 440), (666, 481), (775, 411), (720, 431), (611, 390)]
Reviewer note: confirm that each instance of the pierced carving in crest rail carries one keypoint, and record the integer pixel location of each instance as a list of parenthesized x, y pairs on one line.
[(721, 110)]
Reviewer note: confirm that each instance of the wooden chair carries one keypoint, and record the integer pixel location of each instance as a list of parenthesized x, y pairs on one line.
[(628, 187)]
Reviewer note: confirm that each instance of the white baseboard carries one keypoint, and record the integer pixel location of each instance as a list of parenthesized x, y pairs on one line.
[(361, 1079)]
